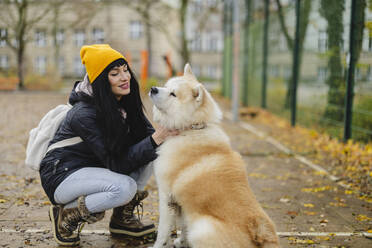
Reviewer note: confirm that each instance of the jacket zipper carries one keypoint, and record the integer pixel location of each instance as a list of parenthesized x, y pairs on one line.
[(55, 166)]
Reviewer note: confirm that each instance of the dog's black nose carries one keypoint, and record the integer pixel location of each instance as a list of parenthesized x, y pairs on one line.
[(154, 90)]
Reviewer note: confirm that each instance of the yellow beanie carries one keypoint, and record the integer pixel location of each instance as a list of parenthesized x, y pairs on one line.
[(97, 57)]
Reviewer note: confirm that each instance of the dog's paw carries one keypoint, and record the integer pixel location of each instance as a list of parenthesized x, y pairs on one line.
[(180, 243)]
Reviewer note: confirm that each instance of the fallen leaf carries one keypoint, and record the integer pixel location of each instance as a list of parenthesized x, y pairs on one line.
[(362, 217), (284, 200), (325, 238), (300, 241), (308, 205)]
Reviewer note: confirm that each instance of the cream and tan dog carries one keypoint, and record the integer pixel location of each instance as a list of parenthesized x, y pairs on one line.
[(202, 182)]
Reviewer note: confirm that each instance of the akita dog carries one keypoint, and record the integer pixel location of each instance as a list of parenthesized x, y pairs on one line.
[(202, 182)]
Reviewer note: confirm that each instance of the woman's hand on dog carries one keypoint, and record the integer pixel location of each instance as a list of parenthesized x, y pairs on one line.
[(161, 133)]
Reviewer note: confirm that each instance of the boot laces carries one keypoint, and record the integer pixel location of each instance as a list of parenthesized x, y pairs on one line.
[(139, 206)]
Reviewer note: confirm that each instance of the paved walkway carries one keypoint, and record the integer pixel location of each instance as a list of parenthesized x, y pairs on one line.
[(309, 209)]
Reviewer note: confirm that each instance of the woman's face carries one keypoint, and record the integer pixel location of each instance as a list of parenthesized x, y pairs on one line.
[(119, 78)]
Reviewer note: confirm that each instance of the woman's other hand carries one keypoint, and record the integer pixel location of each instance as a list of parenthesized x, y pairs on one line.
[(161, 133)]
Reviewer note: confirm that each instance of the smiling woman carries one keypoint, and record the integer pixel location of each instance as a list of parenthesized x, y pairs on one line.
[(119, 78), (112, 165)]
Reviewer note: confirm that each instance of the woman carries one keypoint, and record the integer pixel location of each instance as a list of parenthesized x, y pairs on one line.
[(112, 164)]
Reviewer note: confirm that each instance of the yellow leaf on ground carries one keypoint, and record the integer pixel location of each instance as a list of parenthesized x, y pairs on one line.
[(3, 200), (362, 217), (348, 192), (300, 241), (310, 213), (315, 190), (325, 238), (308, 205)]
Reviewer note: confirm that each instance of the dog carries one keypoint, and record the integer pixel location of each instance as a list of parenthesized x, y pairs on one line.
[(202, 182)]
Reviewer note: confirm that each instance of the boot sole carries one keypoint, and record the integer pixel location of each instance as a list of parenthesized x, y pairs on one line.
[(63, 243), (132, 234)]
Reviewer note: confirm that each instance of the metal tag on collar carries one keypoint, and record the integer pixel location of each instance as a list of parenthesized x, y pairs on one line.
[(198, 126)]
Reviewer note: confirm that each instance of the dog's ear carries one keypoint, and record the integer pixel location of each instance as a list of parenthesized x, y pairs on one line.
[(187, 72), (198, 93)]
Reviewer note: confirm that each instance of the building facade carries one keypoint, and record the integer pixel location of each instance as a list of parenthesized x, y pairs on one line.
[(55, 41), (85, 22)]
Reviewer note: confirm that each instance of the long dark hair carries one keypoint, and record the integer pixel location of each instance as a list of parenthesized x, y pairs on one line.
[(118, 133)]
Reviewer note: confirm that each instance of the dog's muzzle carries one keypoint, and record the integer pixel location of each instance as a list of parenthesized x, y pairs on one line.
[(154, 91)]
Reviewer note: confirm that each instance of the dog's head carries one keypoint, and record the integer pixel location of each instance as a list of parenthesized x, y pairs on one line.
[(183, 102)]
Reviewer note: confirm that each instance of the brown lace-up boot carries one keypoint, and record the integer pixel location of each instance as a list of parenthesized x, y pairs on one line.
[(124, 222), (66, 221)]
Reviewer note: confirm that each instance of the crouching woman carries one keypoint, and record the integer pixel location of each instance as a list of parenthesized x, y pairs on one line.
[(110, 167)]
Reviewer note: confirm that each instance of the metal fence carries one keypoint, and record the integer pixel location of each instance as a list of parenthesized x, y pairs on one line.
[(307, 60)]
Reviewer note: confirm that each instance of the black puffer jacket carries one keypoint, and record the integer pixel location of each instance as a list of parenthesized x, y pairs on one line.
[(81, 121)]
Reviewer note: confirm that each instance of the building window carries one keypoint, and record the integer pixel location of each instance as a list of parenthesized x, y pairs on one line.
[(60, 37), (197, 6), (358, 74), (41, 64), (322, 41), (212, 71), (287, 73), (79, 37), (282, 43), (370, 44), (79, 68), (369, 73), (40, 38), (322, 74), (61, 65), (212, 3), (196, 43), (98, 35), (274, 71), (136, 30), (196, 70), (211, 43), (4, 62), (3, 36)]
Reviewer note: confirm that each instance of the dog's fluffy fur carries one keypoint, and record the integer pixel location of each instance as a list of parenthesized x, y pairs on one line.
[(201, 180)]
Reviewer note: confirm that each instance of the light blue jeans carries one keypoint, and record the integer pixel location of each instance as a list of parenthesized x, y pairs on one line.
[(104, 189)]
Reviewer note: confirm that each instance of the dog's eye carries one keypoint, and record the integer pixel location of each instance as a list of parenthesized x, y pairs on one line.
[(172, 94)]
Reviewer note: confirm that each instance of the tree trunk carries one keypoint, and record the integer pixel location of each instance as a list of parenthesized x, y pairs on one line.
[(148, 38), (247, 22), (184, 46), (360, 16), (332, 11), (20, 62), (304, 21), (21, 43), (54, 33)]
